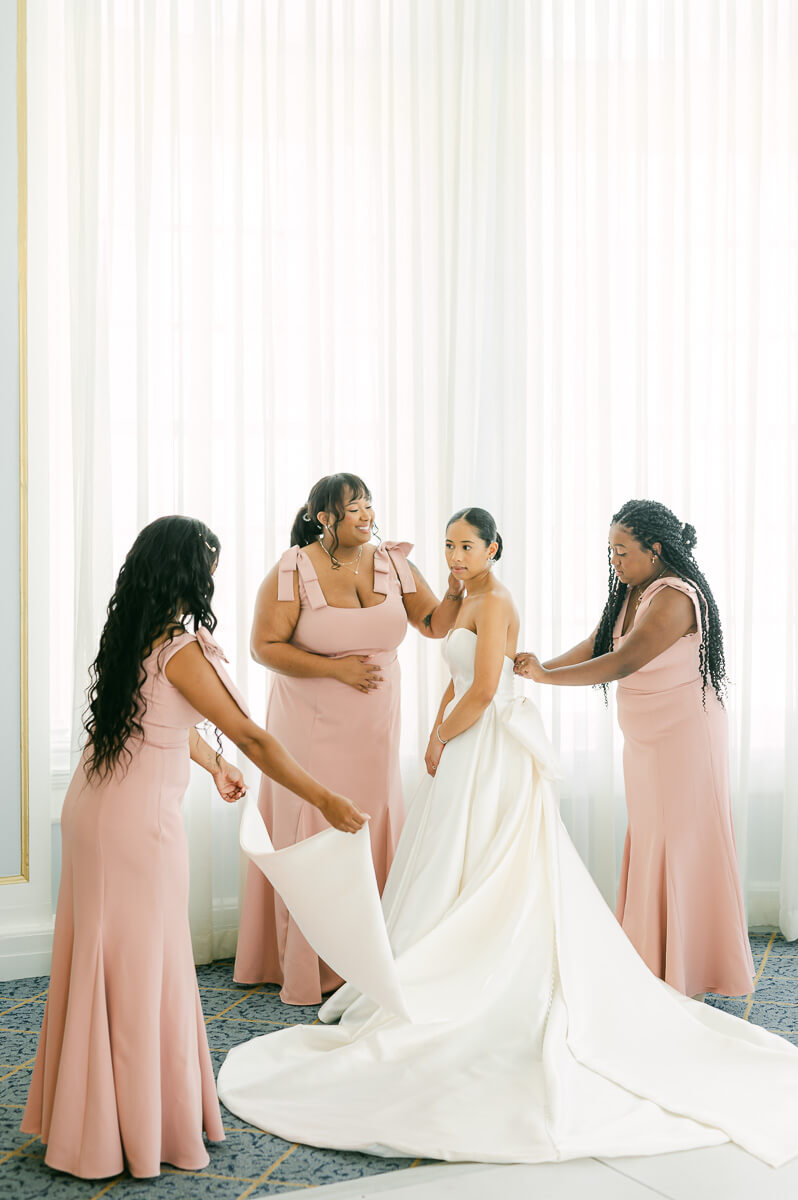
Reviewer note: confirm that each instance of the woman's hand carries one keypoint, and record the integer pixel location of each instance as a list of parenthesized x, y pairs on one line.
[(455, 586), (435, 748), (357, 671), (342, 813), (229, 781), (528, 666)]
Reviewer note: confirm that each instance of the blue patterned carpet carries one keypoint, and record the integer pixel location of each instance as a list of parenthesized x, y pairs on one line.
[(250, 1162)]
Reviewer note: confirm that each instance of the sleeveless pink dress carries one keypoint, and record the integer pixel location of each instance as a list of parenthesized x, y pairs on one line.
[(348, 740), (679, 898), (123, 1075)]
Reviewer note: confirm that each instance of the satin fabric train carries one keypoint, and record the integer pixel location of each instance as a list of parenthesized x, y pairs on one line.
[(540, 1034)]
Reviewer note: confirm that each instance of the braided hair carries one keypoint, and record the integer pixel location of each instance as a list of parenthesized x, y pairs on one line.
[(649, 522), (328, 495)]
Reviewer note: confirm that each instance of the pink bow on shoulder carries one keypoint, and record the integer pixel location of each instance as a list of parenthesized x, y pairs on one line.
[(210, 648), (396, 553)]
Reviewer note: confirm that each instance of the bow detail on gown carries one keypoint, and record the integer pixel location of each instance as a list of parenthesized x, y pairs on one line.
[(398, 552)]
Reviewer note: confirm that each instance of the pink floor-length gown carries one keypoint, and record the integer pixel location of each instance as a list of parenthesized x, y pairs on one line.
[(679, 898), (123, 1074), (347, 739)]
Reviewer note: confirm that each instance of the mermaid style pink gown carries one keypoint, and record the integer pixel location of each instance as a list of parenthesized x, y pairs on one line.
[(679, 898), (349, 740), (123, 1074)]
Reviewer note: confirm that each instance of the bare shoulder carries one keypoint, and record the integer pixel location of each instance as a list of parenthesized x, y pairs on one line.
[(184, 662), (268, 587), (497, 605), (673, 607)]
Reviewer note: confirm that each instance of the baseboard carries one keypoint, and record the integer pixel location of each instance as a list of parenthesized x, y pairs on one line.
[(26, 952), (220, 941)]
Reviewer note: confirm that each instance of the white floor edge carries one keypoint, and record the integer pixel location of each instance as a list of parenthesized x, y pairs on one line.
[(723, 1171), (582, 1179)]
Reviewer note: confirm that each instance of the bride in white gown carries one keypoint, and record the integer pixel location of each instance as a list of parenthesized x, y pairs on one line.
[(539, 1034)]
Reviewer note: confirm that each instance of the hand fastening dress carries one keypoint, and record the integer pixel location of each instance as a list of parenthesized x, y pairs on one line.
[(679, 899)]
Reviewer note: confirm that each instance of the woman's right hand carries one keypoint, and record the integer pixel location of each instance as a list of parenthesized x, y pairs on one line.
[(342, 813), (358, 671), (435, 748)]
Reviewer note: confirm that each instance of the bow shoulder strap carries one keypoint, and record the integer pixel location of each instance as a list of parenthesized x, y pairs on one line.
[(396, 553), (292, 560)]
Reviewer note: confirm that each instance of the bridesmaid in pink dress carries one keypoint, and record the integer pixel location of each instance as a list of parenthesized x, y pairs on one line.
[(679, 899), (328, 621), (123, 1075)]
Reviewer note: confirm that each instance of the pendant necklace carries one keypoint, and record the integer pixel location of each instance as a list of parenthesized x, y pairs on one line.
[(337, 562), (643, 588)]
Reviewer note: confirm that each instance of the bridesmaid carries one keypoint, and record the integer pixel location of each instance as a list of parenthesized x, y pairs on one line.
[(679, 899), (328, 620), (123, 1075)]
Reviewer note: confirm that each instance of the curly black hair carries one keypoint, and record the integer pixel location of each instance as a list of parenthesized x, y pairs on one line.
[(327, 495), (649, 521), (166, 578)]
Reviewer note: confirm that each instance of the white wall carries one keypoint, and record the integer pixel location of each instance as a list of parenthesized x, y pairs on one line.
[(25, 908)]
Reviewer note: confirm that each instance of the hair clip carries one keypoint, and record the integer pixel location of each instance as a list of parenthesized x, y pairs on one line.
[(306, 517)]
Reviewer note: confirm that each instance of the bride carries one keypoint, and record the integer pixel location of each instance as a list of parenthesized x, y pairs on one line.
[(539, 1034)]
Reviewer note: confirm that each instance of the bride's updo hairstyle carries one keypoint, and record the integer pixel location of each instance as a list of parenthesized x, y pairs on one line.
[(331, 495), (481, 520), (648, 521)]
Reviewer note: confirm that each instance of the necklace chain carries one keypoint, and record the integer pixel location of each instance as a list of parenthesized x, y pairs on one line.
[(337, 562), (643, 587)]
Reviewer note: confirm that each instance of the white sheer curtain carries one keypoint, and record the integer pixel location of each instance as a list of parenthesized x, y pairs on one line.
[(536, 256)]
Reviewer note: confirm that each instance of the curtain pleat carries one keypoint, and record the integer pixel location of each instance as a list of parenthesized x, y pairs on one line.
[(537, 256)]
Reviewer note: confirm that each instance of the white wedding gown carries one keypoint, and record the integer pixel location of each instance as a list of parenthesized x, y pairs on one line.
[(538, 1033)]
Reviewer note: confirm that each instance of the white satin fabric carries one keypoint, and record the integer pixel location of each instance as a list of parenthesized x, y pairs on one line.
[(538, 1033), (340, 865)]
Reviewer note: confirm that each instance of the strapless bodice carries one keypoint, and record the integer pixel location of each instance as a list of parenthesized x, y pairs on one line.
[(459, 650)]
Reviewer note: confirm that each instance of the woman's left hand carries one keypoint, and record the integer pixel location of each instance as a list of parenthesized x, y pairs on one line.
[(435, 749), (229, 781), (528, 665)]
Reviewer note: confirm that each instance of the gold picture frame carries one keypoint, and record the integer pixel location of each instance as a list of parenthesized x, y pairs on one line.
[(22, 266)]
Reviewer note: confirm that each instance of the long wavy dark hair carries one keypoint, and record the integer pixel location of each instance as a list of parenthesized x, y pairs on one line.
[(166, 578), (649, 522), (328, 495)]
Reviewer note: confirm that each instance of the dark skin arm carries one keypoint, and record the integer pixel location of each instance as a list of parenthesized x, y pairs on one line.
[(577, 654), (669, 617), (189, 671), (431, 617)]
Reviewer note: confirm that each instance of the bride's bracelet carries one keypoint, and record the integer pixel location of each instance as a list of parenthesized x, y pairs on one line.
[(449, 596), (438, 735)]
